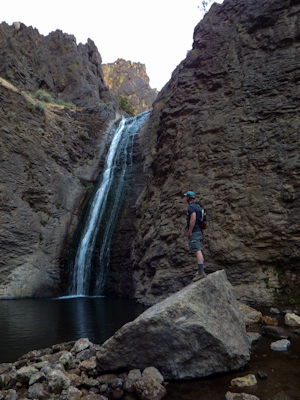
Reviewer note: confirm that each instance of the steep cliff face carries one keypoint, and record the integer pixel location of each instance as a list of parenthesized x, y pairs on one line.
[(55, 63), (129, 79), (48, 161), (50, 156), (227, 127)]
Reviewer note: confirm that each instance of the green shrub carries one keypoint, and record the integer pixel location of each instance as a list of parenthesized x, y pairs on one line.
[(44, 96), (144, 207), (89, 187), (11, 115), (41, 108), (126, 106), (83, 135), (30, 106), (65, 104)]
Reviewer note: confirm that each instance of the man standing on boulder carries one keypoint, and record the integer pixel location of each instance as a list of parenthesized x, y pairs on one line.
[(195, 233)]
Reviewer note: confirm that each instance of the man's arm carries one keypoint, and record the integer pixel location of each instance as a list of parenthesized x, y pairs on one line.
[(192, 224)]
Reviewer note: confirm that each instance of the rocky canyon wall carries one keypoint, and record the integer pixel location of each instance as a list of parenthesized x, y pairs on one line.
[(227, 127), (54, 63), (49, 163), (129, 79), (50, 155)]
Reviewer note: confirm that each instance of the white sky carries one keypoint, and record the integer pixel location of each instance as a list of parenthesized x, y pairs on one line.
[(157, 33)]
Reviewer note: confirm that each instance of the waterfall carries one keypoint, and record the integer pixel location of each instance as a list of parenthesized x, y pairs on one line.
[(92, 256)]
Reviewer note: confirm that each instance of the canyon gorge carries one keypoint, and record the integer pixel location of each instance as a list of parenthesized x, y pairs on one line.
[(225, 126)]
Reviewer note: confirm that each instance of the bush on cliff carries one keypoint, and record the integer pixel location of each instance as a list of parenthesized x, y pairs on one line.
[(44, 96), (47, 98), (65, 104), (41, 108), (126, 106)]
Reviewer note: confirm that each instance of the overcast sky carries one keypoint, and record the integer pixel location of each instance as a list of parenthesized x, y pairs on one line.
[(157, 33)]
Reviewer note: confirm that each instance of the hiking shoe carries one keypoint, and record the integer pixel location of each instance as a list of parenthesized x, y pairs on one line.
[(199, 275)]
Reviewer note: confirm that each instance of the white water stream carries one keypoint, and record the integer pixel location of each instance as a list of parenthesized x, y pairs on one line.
[(110, 192)]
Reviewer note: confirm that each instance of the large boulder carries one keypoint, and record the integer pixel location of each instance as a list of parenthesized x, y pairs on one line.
[(196, 332)]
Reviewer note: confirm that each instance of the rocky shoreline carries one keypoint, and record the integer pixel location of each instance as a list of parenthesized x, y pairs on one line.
[(69, 371)]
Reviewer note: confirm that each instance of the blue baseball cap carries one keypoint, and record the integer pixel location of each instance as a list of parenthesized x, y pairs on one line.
[(190, 194)]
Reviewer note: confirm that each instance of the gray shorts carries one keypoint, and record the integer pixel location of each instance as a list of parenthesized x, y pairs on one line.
[(195, 241)]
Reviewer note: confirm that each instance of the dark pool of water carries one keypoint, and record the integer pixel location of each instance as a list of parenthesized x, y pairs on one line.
[(32, 324)]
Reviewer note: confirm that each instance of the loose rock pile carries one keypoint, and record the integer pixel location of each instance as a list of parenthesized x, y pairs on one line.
[(69, 371)]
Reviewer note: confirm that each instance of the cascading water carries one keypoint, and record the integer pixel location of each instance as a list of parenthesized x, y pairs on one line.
[(89, 266)]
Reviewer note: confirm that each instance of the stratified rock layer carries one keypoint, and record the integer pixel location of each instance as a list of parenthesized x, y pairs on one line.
[(227, 127), (197, 332), (129, 79), (48, 161), (55, 63)]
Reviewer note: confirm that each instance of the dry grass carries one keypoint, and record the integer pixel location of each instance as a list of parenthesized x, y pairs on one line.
[(8, 85)]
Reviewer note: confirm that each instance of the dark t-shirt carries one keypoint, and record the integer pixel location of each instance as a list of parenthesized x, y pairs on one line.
[(193, 207)]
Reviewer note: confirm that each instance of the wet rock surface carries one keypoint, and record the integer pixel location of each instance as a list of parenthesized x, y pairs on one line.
[(248, 380), (226, 126), (275, 332), (240, 396), (292, 319), (129, 79), (251, 316), (281, 345), (119, 281)]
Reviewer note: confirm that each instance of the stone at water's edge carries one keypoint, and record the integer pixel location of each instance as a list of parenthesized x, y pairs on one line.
[(251, 316), (196, 332), (291, 319), (240, 396), (244, 381), (281, 345), (275, 332)]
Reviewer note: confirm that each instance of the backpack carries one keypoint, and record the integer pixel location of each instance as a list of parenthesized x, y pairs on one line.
[(201, 220)]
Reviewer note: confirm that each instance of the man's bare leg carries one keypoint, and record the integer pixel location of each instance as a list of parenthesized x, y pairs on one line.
[(200, 273), (199, 255)]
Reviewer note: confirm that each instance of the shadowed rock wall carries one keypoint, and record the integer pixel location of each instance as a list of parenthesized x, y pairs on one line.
[(227, 127), (49, 162), (50, 156)]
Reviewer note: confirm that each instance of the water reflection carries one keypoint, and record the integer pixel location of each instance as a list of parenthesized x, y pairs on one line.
[(31, 324)]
